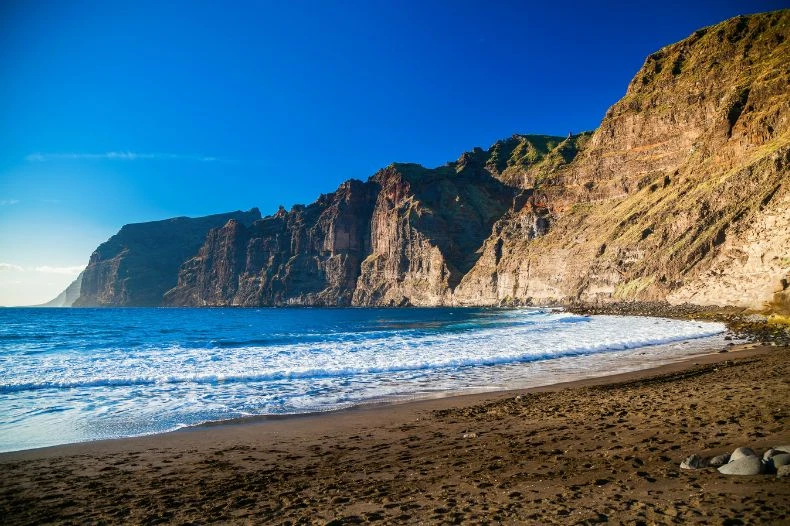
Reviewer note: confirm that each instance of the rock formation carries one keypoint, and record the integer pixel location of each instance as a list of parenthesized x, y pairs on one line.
[(681, 195), (136, 266), (406, 236), (310, 255)]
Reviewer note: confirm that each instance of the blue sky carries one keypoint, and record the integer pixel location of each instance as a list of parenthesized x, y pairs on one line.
[(116, 112)]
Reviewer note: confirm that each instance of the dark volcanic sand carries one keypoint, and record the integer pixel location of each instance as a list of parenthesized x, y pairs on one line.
[(583, 454)]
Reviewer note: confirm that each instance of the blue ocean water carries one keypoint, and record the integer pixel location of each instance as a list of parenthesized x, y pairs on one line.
[(70, 375)]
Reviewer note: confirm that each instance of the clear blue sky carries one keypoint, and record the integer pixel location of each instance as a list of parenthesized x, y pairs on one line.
[(116, 112)]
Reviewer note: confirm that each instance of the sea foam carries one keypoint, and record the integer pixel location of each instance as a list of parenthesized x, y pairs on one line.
[(120, 372)]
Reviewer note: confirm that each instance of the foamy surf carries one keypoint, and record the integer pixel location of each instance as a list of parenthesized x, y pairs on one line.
[(123, 372)]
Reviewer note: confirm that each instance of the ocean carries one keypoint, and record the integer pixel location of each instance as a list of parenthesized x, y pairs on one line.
[(72, 375)]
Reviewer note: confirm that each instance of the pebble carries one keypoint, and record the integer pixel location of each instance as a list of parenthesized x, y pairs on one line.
[(470, 435)]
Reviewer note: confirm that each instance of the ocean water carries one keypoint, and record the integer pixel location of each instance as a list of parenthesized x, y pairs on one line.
[(71, 375)]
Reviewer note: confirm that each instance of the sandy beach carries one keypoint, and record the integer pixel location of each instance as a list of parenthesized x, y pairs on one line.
[(598, 450)]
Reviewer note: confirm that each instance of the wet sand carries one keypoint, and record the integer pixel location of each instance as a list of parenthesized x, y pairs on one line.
[(587, 452)]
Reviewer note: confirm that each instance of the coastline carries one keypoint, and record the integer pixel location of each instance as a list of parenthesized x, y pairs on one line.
[(517, 455), (440, 399)]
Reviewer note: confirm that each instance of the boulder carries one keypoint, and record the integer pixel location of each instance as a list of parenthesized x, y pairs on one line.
[(776, 450), (694, 462), (719, 460), (782, 459), (742, 452), (747, 465)]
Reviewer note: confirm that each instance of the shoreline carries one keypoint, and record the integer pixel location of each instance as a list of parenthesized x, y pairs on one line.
[(588, 451), (565, 369), (738, 350), (438, 401)]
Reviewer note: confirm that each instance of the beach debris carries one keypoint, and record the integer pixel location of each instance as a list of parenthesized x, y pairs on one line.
[(470, 435)]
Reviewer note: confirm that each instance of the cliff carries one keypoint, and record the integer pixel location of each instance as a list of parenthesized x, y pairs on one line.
[(681, 195), (406, 236), (136, 266), (310, 255)]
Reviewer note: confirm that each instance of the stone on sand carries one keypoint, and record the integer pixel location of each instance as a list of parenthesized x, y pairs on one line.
[(776, 450), (742, 452), (747, 465), (719, 460), (769, 453), (694, 462), (782, 459)]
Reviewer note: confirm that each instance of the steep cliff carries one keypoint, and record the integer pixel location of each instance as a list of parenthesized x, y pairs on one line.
[(310, 255), (136, 266), (426, 229), (406, 236), (681, 194)]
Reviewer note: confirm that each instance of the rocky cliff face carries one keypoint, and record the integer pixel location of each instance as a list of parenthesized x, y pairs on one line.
[(136, 266), (682, 194), (404, 237), (426, 228), (310, 255)]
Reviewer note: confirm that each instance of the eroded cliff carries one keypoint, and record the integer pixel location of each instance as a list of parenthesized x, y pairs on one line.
[(680, 195), (405, 237), (310, 255), (136, 266)]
